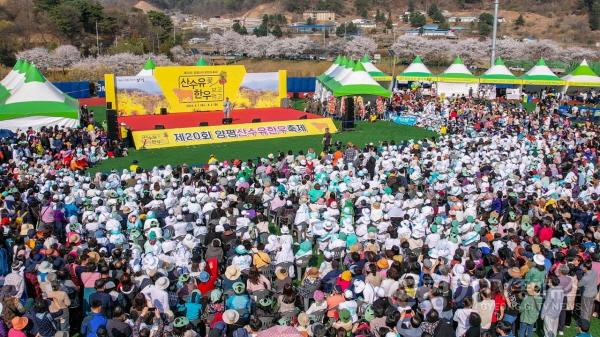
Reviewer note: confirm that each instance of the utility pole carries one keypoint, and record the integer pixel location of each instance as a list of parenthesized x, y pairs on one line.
[(97, 41), (173, 34), (494, 32)]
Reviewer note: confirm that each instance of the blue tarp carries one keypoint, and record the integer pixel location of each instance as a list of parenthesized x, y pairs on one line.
[(405, 120), (301, 84), (74, 89)]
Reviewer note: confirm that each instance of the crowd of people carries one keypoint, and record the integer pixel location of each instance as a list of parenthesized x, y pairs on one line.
[(489, 230)]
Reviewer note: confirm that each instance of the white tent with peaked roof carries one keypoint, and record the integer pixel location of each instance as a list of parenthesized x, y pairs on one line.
[(582, 76), (37, 103), (148, 68), (540, 74), (416, 71), (457, 80)]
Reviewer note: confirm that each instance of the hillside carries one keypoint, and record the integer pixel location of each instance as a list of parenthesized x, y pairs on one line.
[(565, 21)]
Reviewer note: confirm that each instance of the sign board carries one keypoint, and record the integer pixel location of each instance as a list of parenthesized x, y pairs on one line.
[(513, 93), (154, 139), (193, 88)]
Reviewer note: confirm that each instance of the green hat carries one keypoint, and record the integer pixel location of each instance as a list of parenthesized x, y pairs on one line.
[(387, 190), (184, 278), (512, 215), (369, 314), (265, 302), (455, 223), (470, 218), (439, 220), (372, 229), (557, 242), (477, 227), (134, 234), (492, 221), (344, 315), (180, 322), (152, 235), (342, 236), (215, 295), (239, 287), (434, 228)]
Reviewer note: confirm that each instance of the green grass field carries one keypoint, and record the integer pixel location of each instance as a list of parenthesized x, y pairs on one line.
[(195, 155)]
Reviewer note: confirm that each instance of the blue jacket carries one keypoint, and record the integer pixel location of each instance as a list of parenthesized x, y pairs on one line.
[(91, 324)]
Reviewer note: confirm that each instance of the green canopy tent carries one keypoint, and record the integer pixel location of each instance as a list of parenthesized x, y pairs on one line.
[(582, 76), (37, 103), (148, 68), (457, 80), (370, 68), (201, 62), (499, 74), (416, 71), (358, 82), (541, 75)]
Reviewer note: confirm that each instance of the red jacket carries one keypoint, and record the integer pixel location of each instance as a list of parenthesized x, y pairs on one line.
[(212, 268)]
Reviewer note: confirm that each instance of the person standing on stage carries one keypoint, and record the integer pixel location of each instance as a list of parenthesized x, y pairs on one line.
[(227, 107), (326, 140)]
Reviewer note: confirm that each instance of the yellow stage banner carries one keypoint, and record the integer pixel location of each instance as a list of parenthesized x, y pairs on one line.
[(188, 89), (154, 139)]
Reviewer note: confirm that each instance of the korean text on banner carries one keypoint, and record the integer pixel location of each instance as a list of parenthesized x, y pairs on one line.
[(153, 139)]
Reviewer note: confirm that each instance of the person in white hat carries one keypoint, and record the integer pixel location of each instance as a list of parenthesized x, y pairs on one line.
[(156, 294)]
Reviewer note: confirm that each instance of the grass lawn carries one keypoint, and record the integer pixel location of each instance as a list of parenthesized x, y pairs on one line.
[(196, 155)]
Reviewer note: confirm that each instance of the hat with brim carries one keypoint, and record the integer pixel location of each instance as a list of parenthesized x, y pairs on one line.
[(539, 259), (231, 316), (19, 323), (239, 287), (232, 272), (344, 315), (215, 295), (162, 283), (514, 272), (204, 276), (281, 273), (45, 267), (184, 278), (465, 280), (180, 322)]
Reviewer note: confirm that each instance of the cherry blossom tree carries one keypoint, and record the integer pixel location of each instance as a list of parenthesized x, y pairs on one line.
[(64, 56), (360, 46), (38, 56)]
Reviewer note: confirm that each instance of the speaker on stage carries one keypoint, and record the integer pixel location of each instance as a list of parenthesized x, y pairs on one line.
[(348, 119), (303, 117), (163, 111), (256, 120), (112, 124), (203, 124), (159, 127), (227, 120), (108, 105)]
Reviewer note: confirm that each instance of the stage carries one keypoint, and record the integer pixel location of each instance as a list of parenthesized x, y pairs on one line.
[(183, 129), (213, 118)]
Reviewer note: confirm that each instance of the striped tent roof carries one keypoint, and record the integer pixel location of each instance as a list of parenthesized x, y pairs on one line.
[(583, 76), (416, 71), (540, 74), (499, 74), (457, 72)]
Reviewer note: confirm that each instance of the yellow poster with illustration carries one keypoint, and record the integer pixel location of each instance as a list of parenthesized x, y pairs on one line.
[(189, 89), (192, 88), (154, 139)]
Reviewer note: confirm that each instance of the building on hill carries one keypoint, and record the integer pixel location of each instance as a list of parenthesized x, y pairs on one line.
[(431, 30), (462, 19), (302, 28), (319, 16)]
